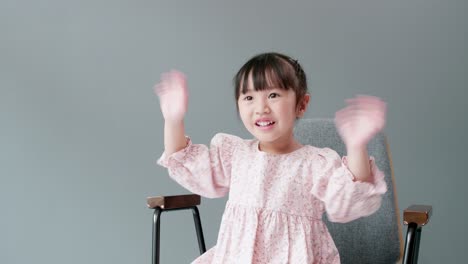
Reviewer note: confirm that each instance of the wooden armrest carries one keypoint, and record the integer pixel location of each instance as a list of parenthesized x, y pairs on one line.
[(174, 201), (418, 214)]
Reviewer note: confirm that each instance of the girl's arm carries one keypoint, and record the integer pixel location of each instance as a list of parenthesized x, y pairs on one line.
[(357, 124), (358, 163), (174, 136), (201, 170), (173, 97)]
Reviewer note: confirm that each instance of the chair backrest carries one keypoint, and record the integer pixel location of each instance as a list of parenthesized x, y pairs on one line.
[(374, 239)]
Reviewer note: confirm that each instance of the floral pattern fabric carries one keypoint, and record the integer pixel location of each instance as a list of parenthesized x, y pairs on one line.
[(276, 201)]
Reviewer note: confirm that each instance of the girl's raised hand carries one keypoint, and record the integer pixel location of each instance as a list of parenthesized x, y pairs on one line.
[(173, 95), (361, 120)]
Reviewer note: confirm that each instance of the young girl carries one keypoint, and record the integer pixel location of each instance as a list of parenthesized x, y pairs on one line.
[(278, 189)]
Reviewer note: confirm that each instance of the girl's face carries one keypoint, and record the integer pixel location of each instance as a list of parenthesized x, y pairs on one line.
[(269, 115)]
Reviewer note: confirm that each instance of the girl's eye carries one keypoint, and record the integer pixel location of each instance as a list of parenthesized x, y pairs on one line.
[(273, 95), (248, 98)]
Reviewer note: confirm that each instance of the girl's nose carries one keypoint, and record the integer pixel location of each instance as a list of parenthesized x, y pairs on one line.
[(262, 108)]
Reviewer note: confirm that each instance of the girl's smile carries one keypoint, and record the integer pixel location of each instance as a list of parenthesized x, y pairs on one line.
[(265, 124)]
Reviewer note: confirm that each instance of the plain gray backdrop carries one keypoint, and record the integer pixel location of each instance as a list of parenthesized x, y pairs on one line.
[(80, 127)]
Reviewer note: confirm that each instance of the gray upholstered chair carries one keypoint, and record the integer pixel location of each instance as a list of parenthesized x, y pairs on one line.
[(374, 239)]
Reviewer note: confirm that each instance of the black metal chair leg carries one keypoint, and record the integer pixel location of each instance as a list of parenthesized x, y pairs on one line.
[(408, 256), (156, 235), (157, 230), (198, 228), (417, 238)]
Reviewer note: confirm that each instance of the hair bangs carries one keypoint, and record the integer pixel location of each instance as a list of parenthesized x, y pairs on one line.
[(270, 70), (266, 74)]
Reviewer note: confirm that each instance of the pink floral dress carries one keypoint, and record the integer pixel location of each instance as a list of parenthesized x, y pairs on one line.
[(276, 201)]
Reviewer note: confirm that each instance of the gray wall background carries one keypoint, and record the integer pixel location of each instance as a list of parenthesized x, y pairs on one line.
[(81, 128)]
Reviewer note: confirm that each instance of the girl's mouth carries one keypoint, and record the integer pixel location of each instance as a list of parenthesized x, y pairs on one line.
[(264, 123)]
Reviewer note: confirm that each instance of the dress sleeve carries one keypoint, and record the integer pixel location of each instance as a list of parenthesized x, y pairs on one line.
[(344, 197), (200, 169)]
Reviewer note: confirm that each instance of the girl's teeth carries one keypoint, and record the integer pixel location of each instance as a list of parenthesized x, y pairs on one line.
[(264, 123)]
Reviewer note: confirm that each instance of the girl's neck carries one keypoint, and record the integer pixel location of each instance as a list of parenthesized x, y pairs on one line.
[(279, 147)]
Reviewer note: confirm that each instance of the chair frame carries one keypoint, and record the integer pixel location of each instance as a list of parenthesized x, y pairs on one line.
[(415, 216), (162, 204)]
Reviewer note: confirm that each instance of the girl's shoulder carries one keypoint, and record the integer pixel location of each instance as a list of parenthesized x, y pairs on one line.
[(224, 139), (321, 153)]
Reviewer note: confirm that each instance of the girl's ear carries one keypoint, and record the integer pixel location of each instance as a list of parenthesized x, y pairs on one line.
[(302, 105)]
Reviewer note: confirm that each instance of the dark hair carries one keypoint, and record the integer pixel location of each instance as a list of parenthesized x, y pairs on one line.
[(269, 69)]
